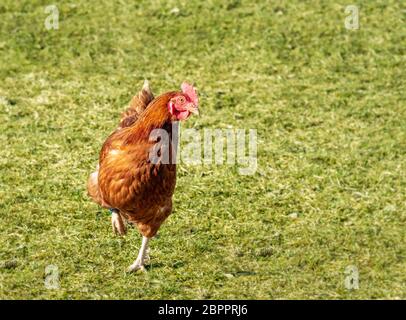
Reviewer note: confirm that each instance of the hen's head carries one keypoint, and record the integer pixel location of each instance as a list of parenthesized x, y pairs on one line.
[(184, 103)]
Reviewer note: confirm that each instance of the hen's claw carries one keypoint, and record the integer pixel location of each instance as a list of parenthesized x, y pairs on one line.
[(117, 223), (140, 263), (137, 265)]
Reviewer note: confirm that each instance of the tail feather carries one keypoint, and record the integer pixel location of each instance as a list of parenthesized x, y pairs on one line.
[(137, 106), (93, 189)]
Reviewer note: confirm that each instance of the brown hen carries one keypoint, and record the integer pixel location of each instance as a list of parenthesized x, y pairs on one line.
[(136, 175)]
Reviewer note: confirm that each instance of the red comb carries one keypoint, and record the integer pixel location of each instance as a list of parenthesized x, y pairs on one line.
[(190, 91)]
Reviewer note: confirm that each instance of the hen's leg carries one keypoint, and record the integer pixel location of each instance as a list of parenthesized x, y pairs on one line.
[(117, 222), (143, 256)]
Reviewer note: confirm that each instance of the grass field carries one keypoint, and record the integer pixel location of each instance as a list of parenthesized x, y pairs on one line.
[(329, 107)]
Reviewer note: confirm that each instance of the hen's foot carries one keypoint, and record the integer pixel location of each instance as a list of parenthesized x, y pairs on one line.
[(117, 223), (137, 265)]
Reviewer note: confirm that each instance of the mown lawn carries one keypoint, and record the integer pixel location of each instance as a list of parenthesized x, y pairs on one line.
[(328, 105)]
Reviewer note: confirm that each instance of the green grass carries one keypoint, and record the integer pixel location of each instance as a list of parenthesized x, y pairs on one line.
[(328, 105)]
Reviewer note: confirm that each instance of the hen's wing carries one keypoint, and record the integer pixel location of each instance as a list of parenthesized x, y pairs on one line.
[(137, 106)]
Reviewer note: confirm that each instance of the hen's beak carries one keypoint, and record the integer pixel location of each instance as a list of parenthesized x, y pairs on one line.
[(192, 109), (195, 111)]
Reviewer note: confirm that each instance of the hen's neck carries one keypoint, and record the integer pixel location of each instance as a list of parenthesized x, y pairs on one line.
[(156, 116)]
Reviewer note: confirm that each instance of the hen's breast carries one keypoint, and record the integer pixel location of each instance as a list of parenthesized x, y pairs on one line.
[(130, 182)]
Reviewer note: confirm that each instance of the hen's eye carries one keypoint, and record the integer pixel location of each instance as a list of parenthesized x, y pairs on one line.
[(181, 100)]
